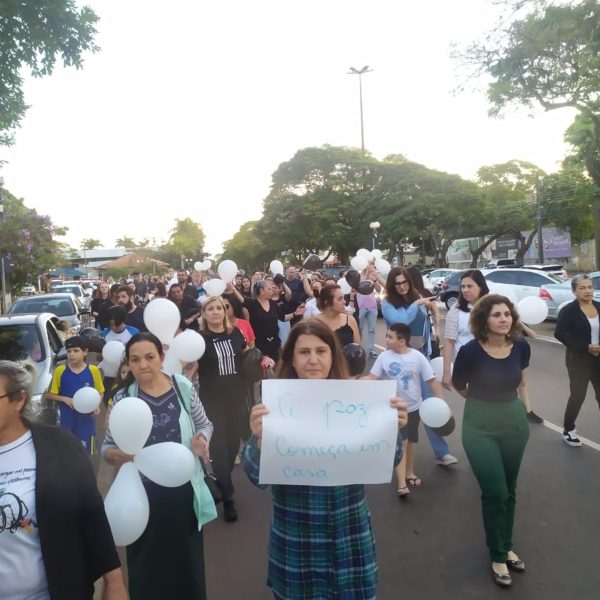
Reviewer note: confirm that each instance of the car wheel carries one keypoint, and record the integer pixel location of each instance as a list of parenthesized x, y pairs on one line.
[(451, 301)]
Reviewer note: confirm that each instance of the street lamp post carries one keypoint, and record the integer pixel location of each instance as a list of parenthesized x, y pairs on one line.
[(360, 72), (375, 225)]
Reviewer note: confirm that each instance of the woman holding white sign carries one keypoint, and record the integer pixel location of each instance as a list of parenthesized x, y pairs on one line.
[(321, 542)]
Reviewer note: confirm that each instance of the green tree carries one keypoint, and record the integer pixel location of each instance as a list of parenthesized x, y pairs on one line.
[(549, 58), (125, 242), (28, 240), (317, 203), (186, 241), (33, 35), (247, 250), (90, 244)]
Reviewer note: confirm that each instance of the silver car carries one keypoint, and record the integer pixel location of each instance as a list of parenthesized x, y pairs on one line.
[(33, 337), (557, 295), (65, 306)]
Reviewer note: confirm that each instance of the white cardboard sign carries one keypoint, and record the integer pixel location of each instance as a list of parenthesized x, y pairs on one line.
[(328, 432)]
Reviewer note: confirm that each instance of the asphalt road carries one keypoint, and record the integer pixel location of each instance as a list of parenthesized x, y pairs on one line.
[(432, 545)]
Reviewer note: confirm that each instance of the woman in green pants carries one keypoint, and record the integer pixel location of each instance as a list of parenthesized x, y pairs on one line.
[(489, 372)]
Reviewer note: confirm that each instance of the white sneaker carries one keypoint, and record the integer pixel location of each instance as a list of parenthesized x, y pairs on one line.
[(447, 460), (571, 438)]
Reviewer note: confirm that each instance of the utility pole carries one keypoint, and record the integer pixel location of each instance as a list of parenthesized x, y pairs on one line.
[(539, 212)]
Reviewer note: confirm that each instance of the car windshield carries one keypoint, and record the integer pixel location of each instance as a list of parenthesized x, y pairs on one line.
[(20, 342), (61, 307), (73, 289)]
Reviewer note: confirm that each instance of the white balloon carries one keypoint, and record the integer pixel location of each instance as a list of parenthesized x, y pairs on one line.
[(171, 364), (383, 266), (276, 267), (86, 400), (109, 369), (206, 265), (127, 506), (113, 352), (169, 464), (227, 270), (376, 253), (346, 289), (366, 254), (434, 412), (504, 290), (162, 317), (188, 346), (130, 423), (437, 364), (359, 263), (214, 287), (198, 266), (532, 310)]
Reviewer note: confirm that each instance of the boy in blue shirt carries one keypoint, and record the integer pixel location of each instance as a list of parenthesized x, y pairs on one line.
[(66, 380), (408, 367)]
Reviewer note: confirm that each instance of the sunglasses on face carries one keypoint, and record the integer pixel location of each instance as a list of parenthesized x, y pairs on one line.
[(403, 282)]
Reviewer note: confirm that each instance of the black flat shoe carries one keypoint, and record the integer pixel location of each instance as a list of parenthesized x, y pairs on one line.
[(501, 579), (516, 565)]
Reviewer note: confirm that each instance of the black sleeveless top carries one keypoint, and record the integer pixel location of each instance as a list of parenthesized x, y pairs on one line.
[(345, 333)]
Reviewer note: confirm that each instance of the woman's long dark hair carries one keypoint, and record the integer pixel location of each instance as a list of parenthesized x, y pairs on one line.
[(418, 282), (392, 295), (477, 276), (339, 368), (142, 336)]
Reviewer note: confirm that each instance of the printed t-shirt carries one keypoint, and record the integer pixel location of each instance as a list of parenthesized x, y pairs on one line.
[(120, 336), (22, 571), (408, 370)]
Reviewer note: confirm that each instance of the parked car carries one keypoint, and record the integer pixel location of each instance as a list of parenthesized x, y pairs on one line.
[(437, 276), (334, 271), (76, 289), (34, 337), (64, 305), (448, 290), (501, 263), (522, 281), (554, 269), (556, 295)]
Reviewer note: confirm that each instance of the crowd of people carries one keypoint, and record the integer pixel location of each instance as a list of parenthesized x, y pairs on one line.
[(299, 323)]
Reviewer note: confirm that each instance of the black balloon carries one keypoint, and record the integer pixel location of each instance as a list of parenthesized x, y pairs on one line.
[(353, 278), (446, 429), (250, 366), (278, 279), (312, 262), (366, 287), (356, 357), (93, 338)]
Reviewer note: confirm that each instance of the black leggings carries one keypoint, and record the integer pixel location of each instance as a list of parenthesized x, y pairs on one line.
[(582, 369)]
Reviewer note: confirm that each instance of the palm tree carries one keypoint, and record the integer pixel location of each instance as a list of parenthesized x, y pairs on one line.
[(88, 244), (125, 242)]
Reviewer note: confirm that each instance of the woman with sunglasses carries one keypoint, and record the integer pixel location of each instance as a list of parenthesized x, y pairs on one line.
[(403, 304)]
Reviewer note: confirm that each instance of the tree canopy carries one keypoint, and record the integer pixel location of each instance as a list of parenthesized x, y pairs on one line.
[(28, 240), (550, 58), (34, 35)]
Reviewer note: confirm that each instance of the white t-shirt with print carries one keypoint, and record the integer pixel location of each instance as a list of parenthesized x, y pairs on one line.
[(408, 370), (22, 572)]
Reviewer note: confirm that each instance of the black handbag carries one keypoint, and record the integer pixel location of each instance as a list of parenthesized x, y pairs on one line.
[(212, 483)]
